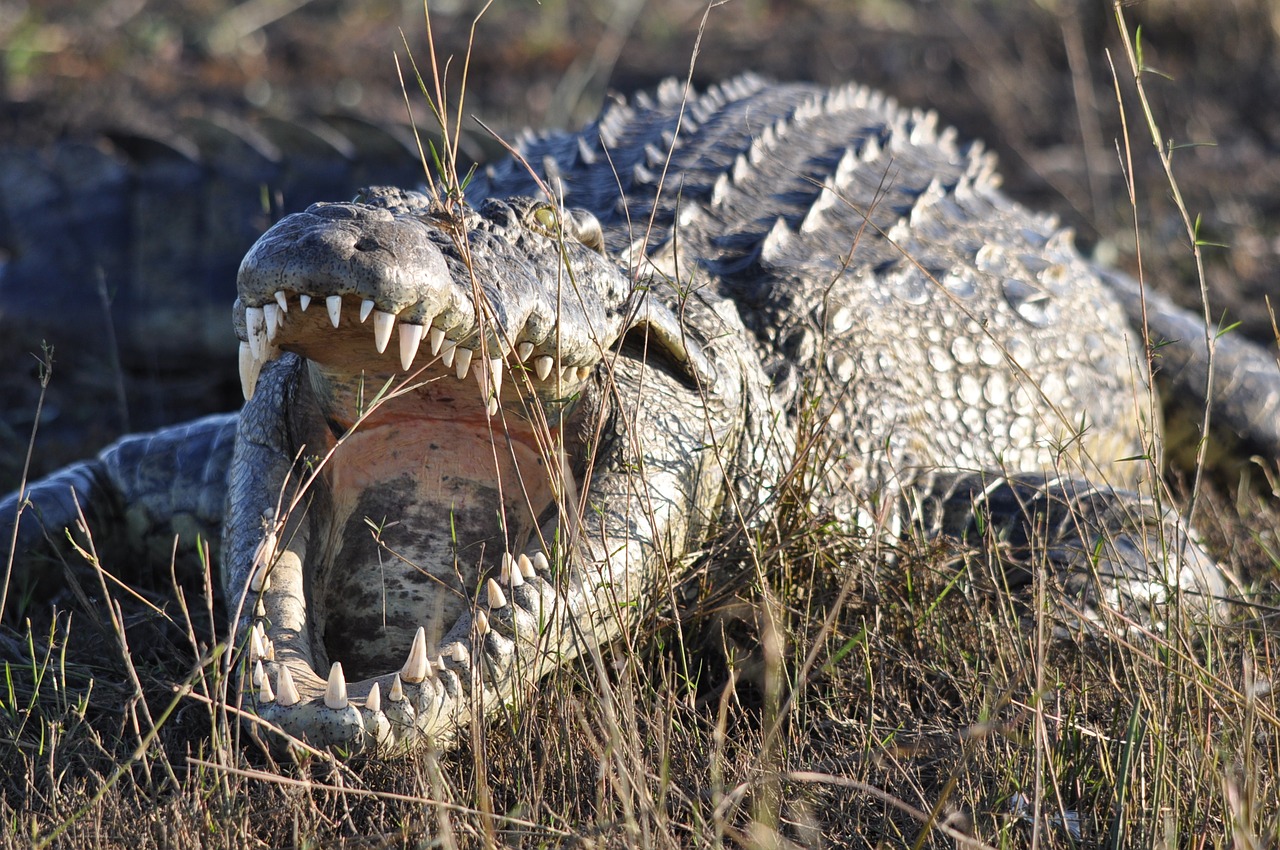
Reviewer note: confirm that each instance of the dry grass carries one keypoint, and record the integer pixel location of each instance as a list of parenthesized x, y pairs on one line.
[(807, 690)]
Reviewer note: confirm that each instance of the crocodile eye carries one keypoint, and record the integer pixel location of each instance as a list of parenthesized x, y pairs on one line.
[(546, 218)]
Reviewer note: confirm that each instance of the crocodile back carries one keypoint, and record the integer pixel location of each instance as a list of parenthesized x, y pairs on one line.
[(937, 323)]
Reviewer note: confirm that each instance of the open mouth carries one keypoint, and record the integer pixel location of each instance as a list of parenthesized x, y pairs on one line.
[(418, 513), (440, 463)]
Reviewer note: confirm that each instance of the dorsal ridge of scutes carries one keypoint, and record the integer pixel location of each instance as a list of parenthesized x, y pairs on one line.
[(846, 168), (930, 197), (774, 245), (720, 190), (827, 198)]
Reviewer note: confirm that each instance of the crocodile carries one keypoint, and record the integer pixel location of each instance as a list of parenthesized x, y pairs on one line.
[(484, 425)]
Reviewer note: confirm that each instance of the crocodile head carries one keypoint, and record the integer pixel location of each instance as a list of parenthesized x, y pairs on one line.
[(417, 490)]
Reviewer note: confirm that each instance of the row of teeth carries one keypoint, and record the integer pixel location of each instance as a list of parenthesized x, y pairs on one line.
[(264, 323), (417, 668)]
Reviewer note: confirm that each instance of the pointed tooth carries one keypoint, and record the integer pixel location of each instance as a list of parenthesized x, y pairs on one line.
[(415, 668), (497, 599), (256, 648), (458, 654), (584, 372), (258, 675), (492, 408), (540, 562), (508, 566), (523, 350), (304, 301), (335, 695), (440, 665), (334, 305), (542, 366), (495, 375), (250, 368), (265, 694), (271, 316), (383, 324), (525, 565), (462, 362), (437, 340), (288, 693), (256, 324), (373, 702), (447, 352), (259, 610), (282, 300), (517, 576), (410, 339), (366, 307), (482, 621), (396, 692), (260, 582), (270, 647)]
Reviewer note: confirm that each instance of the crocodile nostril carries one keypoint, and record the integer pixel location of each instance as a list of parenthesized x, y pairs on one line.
[(367, 243)]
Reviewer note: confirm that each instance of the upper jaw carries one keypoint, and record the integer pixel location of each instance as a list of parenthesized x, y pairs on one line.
[(453, 286)]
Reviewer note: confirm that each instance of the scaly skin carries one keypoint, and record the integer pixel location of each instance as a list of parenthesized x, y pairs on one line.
[(496, 428)]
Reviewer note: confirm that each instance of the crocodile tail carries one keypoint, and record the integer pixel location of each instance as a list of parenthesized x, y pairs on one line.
[(137, 495), (1245, 396)]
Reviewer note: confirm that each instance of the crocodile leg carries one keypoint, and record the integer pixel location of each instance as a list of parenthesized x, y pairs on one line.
[(1108, 551)]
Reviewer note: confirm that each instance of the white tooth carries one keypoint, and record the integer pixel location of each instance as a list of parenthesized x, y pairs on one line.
[(462, 362), (250, 368), (525, 565), (260, 582), (497, 599), (517, 577), (259, 610), (265, 694), (458, 653), (396, 692), (458, 650), (437, 340), (270, 645), (508, 566), (540, 561), (584, 372), (383, 324), (482, 622), (334, 305), (282, 300), (258, 676), (447, 351), (373, 702), (495, 375), (335, 695), (256, 324), (256, 649), (523, 350), (410, 339), (542, 366), (271, 315), (415, 668), (492, 409), (288, 693), (304, 301), (366, 307)]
